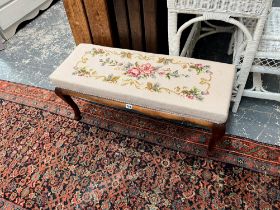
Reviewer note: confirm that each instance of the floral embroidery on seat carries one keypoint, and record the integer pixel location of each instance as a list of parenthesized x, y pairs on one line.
[(135, 72), (144, 70), (140, 71), (193, 93), (200, 68)]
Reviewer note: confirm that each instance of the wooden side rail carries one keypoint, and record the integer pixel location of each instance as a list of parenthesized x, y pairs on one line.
[(218, 130)]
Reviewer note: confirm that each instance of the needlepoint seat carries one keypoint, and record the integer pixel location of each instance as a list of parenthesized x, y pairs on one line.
[(165, 86)]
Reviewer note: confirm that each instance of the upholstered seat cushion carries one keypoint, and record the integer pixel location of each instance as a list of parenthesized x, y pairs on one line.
[(182, 86)]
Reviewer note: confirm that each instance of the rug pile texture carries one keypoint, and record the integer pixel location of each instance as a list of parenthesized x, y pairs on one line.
[(114, 159)]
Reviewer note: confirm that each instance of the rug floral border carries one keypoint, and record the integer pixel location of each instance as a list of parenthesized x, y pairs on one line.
[(235, 150)]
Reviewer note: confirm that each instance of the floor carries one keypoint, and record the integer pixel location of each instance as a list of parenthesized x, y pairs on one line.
[(37, 48), (43, 43)]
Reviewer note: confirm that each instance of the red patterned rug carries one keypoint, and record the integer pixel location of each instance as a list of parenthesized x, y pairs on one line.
[(49, 161), (7, 205)]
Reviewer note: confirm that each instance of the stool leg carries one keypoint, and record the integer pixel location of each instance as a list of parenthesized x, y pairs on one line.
[(69, 100), (218, 132)]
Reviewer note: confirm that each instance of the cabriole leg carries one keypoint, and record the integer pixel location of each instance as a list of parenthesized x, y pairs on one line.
[(69, 100), (218, 132)]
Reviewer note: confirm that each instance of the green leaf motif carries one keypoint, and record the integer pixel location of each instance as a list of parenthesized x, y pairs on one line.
[(111, 78)]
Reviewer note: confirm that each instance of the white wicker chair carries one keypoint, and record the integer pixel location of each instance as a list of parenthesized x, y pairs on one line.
[(267, 58), (222, 10)]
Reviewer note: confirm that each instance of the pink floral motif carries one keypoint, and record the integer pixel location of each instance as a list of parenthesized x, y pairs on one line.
[(135, 71), (198, 65), (147, 69), (199, 68), (143, 70)]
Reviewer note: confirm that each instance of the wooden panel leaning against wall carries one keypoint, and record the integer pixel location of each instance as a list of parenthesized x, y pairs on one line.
[(129, 24), (136, 24), (99, 22), (122, 23), (89, 21), (78, 21), (150, 25)]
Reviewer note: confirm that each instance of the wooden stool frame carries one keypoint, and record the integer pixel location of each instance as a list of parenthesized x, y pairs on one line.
[(218, 130)]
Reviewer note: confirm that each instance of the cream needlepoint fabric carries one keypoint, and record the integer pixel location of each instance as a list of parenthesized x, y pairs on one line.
[(182, 86)]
